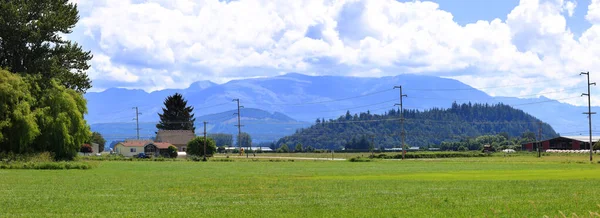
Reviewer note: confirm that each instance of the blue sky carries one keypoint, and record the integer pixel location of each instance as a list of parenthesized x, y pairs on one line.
[(159, 44)]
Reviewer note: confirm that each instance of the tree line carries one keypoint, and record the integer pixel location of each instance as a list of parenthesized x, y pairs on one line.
[(428, 128), (42, 79)]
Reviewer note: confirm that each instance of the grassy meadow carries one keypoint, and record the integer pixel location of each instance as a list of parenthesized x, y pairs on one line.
[(515, 186)]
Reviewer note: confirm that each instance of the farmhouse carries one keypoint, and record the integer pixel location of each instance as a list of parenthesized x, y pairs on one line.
[(561, 143), (134, 147), (179, 138)]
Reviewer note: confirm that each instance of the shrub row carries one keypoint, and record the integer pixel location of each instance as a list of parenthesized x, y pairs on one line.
[(46, 165), (122, 158), (418, 155), (359, 159)]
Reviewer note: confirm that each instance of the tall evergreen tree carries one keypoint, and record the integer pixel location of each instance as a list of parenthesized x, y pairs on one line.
[(176, 114)]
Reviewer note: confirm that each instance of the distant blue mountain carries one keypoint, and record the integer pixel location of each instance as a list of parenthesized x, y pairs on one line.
[(306, 98)]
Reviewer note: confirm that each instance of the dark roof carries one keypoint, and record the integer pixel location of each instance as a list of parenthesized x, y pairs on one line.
[(162, 145), (176, 137)]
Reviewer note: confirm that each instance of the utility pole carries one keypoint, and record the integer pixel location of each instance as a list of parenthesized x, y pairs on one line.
[(137, 122), (205, 139), (539, 140), (401, 120), (589, 113), (239, 125)]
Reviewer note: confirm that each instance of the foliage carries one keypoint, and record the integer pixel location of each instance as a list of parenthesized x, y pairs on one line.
[(62, 165), (596, 146), (86, 148), (172, 150), (298, 148), (53, 122), (61, 122), (359, 159), (438, 154), (18, 127), (361, 144), (31, 43), (196, 147), (176, 114), (98, 139), (221, 149), (462, 148), (246, 140), (222, 139), (423, 128), (283, 149)]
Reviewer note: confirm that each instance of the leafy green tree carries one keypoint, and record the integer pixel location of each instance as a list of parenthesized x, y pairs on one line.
[(18, 127), (298, 148), (98, 139), (172, 150), (283, 149), (31, 42), (196, 147), (596, 146), (222, 139), (176, 114), (85, 148), (246, 140), (60, 119), (462, 148)]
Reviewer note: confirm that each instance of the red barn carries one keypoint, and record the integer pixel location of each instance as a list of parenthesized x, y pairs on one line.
[(561, 143)]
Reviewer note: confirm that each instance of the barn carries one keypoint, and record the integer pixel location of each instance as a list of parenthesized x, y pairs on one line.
[(561, 143)]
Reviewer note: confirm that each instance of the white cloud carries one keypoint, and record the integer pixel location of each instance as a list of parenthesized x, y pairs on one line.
[(158, 44), (102, 67), (593, 14)]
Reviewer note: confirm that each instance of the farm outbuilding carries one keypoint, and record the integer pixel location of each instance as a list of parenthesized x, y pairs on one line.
[(561, 143)]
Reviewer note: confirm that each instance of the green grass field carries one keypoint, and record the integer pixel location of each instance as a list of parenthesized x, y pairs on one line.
[(474, 187)]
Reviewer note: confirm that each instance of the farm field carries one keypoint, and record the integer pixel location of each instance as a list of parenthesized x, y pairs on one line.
[(462, 187)]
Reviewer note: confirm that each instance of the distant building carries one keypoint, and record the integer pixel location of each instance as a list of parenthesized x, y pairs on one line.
[(134, 147), (179, 138), (561, 143)]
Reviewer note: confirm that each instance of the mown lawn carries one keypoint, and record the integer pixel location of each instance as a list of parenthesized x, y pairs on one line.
[(475, 187)]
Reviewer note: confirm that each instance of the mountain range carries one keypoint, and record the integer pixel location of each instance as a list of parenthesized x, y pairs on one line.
[(305, 98)]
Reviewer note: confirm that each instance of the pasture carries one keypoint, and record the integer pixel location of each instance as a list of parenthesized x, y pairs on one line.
[(463, 187)]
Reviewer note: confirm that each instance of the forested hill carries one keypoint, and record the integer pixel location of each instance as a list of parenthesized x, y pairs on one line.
[(423, 128)]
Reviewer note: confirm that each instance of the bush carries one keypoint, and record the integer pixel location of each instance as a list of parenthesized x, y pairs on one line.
[(86, 148), (283, 149), (196, 147), (359, 159), (462, 148), (45, 165), (417, 155), (221, 160), (172, 151), (194, 158)]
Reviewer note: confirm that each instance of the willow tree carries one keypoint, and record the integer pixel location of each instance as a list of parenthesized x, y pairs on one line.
[(176, 114), (60, 119), (18, 127), (54, 70)]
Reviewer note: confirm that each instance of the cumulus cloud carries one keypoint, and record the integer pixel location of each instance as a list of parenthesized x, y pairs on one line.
[(157, 44)]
